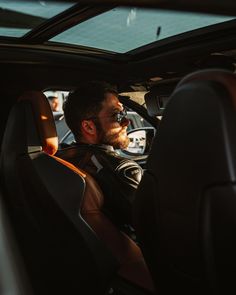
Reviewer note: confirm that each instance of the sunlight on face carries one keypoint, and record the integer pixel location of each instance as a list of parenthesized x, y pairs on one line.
[(110, 131)]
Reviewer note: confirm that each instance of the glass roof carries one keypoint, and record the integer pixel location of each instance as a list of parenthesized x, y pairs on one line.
[(118, 30), (19, 17), (123, 29)]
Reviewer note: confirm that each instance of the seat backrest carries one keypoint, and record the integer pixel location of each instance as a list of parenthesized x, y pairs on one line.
[(61, 252), (186, 223), (68, 245)]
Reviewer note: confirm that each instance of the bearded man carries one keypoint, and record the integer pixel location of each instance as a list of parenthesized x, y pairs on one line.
[(99, 123)]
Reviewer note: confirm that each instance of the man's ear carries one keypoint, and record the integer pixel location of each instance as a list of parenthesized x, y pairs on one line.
[(89, 127)]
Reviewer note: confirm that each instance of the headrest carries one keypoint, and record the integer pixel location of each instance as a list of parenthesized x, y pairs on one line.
[(30, 129), (226, 78), (197, 131), (43, 119)]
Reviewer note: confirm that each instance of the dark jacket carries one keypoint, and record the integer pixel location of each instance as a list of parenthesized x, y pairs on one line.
[(117, 176)]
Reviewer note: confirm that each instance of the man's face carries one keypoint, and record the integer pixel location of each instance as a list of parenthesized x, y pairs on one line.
[(110, 131), (55, 104)]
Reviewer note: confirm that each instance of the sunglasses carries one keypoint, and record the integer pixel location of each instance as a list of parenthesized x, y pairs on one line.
[(118, 116)]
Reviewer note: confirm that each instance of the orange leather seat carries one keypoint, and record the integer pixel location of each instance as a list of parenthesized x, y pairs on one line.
[(49, 191)]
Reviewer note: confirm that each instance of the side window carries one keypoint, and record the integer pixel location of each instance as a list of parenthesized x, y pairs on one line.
[(56, 99), (136, 121)]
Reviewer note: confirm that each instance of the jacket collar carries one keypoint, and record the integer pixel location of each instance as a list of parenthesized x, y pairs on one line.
[(104, 147)]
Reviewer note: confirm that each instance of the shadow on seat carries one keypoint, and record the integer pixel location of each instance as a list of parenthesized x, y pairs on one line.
[(186, 224), (68, 245)]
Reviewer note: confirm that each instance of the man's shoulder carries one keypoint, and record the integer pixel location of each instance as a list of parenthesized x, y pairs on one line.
[(114, 157), (123, 167), (105, 157)]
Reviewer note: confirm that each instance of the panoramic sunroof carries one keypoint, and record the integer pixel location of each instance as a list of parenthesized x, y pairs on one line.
[(19, 17), (119, 30), (123, 29)]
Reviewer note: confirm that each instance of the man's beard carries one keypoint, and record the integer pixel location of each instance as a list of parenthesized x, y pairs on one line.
[(117, 140)]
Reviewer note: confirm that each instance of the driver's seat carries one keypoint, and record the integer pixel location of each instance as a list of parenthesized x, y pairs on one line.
[(67, 244)]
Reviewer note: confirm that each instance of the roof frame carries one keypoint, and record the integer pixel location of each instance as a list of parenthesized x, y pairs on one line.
[(227, 7), (63, 21)]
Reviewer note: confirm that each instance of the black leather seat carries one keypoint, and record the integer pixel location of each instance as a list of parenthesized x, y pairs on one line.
[(68, 245), (186, 223)]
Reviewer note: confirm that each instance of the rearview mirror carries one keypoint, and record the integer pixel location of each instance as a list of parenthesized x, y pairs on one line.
[(155, 103), (140, 141)]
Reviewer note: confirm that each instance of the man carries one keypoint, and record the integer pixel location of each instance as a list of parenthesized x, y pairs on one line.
[(99, 123), (54, 103), (55, 107)]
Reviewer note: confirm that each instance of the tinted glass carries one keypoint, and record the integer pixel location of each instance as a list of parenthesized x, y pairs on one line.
[(19, 17), (123, 29)]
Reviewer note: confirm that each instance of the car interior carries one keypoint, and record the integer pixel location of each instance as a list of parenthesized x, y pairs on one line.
[(54, 235)]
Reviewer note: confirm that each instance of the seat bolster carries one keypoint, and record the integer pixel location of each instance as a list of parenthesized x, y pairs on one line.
[(132, 265), (71, 166)]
